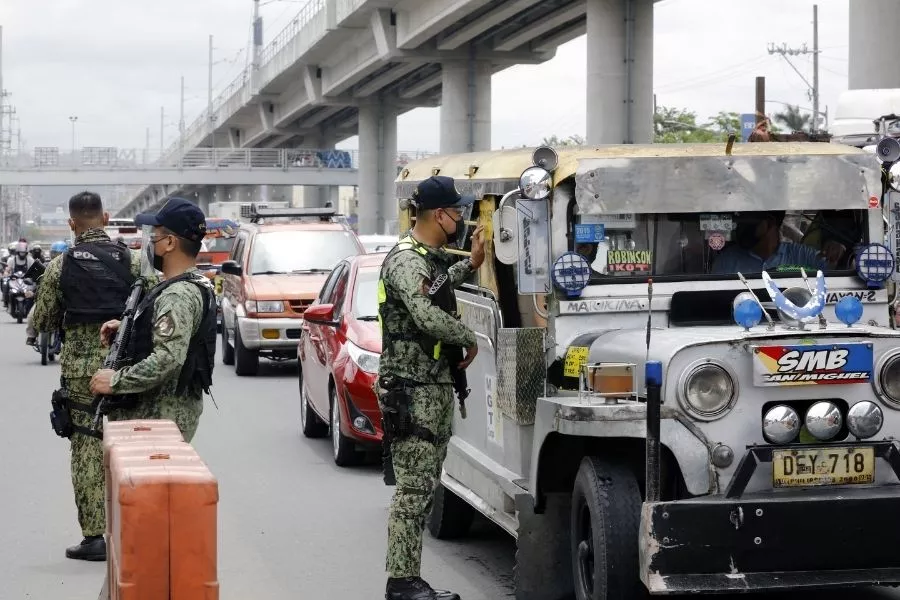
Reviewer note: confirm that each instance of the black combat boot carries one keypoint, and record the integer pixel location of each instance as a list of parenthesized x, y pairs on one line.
[(415, 588), (31, 341), (91, 548)]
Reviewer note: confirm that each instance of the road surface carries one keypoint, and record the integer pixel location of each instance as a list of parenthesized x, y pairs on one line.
[(291, 523)]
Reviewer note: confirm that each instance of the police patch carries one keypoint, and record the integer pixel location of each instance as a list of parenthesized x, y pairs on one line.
[(165, 326)]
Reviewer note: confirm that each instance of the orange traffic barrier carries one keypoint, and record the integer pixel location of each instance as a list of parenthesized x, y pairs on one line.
[(161, 522)]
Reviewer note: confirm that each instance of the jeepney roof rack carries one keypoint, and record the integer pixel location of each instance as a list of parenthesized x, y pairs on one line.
[(322, 214)]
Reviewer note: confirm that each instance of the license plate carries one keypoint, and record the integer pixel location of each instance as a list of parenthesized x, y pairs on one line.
[(823, 466)]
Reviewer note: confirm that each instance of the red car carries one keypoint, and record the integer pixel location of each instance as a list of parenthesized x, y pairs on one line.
[(339, 349)]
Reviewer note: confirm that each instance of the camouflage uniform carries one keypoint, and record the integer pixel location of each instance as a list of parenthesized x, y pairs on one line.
[(405, 307), (81, 357), (178, 313)]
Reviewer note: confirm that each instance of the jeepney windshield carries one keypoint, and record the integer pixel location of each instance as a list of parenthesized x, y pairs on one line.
[(718, 245)]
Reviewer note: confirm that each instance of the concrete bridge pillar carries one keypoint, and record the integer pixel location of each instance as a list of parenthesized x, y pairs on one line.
[(377, 168), (619, 71), (873, 27), (466, 107)]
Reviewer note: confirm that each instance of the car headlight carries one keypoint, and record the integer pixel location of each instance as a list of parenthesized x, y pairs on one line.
[(707, 391), (889, 380), (264, 306), (365, 360)]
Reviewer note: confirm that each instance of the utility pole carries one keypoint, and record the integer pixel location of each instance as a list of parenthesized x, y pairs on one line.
[(181, 125), (257, 46), (786, 52), (760, 100), (815, 98), (211, 118)]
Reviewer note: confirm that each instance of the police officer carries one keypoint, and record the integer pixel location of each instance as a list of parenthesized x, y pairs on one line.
[(173, 343), (79, 291), (413, 332)]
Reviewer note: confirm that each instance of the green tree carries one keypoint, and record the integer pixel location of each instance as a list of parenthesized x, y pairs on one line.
[(679, 126), (793, 119), (725, 123), (554, 141)]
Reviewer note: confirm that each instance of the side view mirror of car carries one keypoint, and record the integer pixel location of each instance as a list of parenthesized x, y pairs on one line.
[(320, 314), (230, 267)]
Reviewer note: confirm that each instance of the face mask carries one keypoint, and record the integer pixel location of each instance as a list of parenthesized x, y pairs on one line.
[(152, 257), (457, 234)]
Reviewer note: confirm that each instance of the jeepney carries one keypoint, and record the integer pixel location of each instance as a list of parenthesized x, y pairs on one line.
[(645, 417)]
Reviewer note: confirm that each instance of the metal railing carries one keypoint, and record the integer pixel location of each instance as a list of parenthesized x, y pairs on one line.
[(106, 159), (205, 121), (113, 158)]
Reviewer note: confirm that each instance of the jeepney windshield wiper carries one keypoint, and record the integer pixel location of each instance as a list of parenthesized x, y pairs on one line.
[(367, 318), (302, 271)]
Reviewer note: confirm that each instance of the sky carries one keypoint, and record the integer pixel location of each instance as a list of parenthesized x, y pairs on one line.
[(114, 63)]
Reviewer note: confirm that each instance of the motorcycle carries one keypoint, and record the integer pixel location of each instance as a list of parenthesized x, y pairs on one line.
[(21, 296), (49, 346)]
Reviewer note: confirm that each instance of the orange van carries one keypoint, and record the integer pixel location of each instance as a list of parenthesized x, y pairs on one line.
[(276, 268)]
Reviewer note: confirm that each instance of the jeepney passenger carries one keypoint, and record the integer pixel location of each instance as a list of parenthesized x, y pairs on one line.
[(758, 247)]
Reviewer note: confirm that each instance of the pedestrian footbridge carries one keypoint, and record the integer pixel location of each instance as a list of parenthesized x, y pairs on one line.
[(200, 166)]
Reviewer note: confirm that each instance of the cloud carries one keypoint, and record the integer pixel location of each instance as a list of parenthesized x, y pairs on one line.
[(114, 64)]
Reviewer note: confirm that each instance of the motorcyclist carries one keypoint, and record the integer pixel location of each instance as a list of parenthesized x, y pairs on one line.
[(37, 253), (20, 260)]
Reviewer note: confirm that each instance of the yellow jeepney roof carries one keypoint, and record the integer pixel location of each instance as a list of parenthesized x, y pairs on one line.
[(509, 164)]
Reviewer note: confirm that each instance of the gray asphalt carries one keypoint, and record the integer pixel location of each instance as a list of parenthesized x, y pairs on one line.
[(291, 523)]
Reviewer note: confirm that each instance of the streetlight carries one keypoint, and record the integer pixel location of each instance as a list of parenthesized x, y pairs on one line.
[(73, 120)]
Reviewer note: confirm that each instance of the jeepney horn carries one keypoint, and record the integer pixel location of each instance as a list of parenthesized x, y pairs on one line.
[(888, 150), (545, 157)]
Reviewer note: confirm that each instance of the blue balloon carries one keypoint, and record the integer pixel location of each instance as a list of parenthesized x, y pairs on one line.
[(747, 314), (849, 310)]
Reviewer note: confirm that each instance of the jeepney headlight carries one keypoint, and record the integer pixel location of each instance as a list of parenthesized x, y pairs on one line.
[(864, 419), (707, 391), (889, 380), (536, 183)]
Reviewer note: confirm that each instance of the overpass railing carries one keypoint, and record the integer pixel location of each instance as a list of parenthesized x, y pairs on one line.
[(50, 159), (241, 83)]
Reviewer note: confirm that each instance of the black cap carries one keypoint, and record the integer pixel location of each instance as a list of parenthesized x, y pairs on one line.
[(181, 217), (440, 192)]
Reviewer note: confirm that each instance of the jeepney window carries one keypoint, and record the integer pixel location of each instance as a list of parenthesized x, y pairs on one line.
[(718, 245)]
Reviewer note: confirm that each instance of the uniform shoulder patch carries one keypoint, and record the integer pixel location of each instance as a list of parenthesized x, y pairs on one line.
[(164, 326)]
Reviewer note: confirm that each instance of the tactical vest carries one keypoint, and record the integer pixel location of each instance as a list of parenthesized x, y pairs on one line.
[(430, 345), (92, 290), (196, 373)]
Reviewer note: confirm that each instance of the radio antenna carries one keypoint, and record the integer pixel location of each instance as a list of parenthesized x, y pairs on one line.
[(755, 297), (649, 315)]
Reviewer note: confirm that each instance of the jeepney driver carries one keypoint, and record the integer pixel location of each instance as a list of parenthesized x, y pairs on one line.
[(757, 247)]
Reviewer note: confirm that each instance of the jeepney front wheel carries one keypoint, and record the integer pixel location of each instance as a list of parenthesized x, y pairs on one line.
[(606, 513)]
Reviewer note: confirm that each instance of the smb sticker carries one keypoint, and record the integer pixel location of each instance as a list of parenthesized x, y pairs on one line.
[(810, 365)]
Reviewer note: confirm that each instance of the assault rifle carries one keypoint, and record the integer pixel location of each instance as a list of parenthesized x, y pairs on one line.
[(118, 349), (442, 296)]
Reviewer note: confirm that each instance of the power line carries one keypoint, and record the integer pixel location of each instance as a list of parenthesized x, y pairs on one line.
[(787, 52)]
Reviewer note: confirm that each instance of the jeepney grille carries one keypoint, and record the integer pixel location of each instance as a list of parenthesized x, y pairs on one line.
[(521, 372)]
